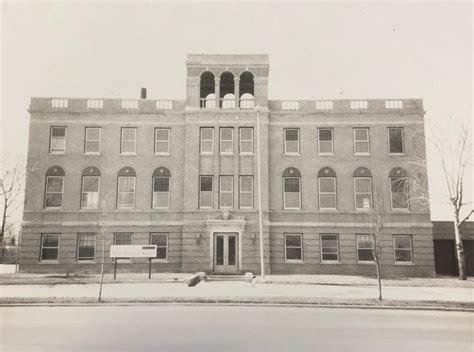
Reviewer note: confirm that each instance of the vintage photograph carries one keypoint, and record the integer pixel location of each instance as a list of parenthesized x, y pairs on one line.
[(236, 176)]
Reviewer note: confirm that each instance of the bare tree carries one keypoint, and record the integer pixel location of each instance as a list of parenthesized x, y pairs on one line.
[(104, 243), (453, 147), (377, 229), (11, 186)]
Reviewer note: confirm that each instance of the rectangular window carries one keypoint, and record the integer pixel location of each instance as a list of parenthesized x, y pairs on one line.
[(129, 141), (365, 247), (207, 140), (395, 140), (403, 249), (162, 141), (92, 142), (57, 143), (226, 191), (325, 141), (246, 140), (293, 247), (246, 192), (292, 141), (226, 140), (161, 242), (291, 193), (85, 246), (123, 239), (327, 193), (329, 248), (126, 192), (161, 192), (54, 192), (361, 141), (49, 247), (90, 192), (363, 193), (399, 192), (205, 192)]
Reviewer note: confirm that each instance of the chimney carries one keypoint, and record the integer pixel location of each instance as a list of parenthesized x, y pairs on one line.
[(143, 94)]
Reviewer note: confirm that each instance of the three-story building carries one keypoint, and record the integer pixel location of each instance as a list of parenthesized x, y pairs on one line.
[(184, 175)]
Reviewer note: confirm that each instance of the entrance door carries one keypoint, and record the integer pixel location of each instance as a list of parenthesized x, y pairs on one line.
[(225, 253)]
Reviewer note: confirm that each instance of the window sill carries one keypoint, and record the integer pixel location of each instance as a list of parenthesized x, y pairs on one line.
[(328, 210), (363, 210), (92, 154), (163, 154), (366, 262), (161, 209), (206, 154), (53, 209), (401, 210), (405, 263), (247, 154), (291, 209), (85, 261), (49, 262), (362, 154), (326, 154), (228, 154), (396, 154), (291, 154), (163, 261), (128, 154), (57, 153), (125, 209), (93, 210), (327, 262), (294, 261)]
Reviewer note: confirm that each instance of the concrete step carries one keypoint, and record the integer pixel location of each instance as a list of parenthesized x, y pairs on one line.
[(223, 277)]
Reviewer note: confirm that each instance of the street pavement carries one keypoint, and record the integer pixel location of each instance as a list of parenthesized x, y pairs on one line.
[(227, 328), (236, 290)]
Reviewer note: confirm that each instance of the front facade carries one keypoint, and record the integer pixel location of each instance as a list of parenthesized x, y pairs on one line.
[(184, 175)]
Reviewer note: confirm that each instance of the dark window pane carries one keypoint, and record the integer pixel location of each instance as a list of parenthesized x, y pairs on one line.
[(365, 255), (50, 240), (219, 250), (291, 135), (396, 140), (59, 132), (161, 184), (403, 256), (292, 184), (327, 256), (161, 253), (159, 240), (293, 240), (232, 248), (206, 184), (49, 254), (123, 239), (86, 252), (293, 254), (325, 135)]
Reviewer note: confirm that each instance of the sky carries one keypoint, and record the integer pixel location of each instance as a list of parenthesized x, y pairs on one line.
[(317, 51)]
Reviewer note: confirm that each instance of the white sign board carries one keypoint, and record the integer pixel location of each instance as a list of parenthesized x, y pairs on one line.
[(135, 251)]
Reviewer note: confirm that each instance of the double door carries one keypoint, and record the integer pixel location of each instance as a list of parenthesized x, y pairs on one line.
[(225, 252)]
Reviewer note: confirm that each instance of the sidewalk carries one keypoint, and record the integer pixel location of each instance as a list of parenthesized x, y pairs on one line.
[(360, 293)]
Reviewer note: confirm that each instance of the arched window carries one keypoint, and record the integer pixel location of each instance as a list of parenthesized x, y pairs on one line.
[(53, 195), (126, 184), (207, 90), (327, 188), (291, 188), (161, 188), (362, 188), (90, 188), (246, 90), (399, 188), (227, 90)]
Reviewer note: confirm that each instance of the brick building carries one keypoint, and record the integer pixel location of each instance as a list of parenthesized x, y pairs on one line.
[(182, 174)]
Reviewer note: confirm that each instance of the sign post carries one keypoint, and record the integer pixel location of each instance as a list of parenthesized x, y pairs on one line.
[(133, 251)]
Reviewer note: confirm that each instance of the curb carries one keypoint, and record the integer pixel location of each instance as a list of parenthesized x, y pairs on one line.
[(240, 304)]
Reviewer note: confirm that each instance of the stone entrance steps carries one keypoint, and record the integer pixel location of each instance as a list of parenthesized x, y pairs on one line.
[(225, 277)]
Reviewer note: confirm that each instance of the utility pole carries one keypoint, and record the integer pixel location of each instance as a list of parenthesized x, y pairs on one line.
[(259, 181)]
